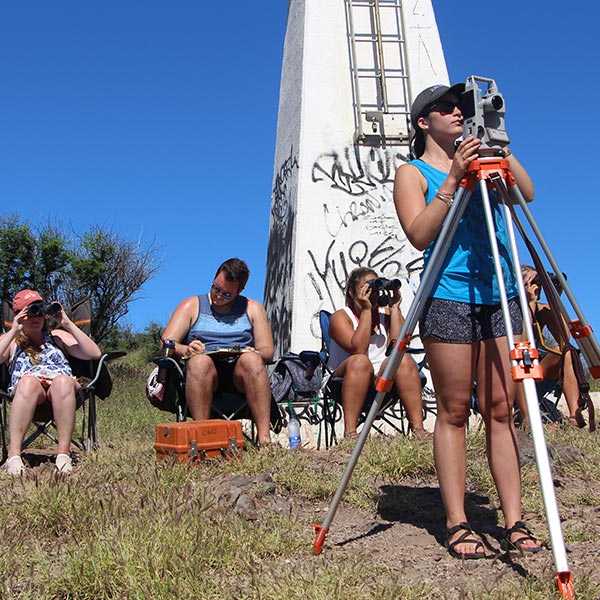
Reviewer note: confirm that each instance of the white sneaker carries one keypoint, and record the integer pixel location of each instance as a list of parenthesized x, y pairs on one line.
[(15, 465), (64, 464)]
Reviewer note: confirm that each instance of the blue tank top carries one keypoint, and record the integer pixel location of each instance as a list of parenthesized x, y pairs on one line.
[(468, 273), (216, 330)]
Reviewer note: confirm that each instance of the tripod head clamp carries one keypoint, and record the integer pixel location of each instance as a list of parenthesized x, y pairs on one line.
[(483, 108)]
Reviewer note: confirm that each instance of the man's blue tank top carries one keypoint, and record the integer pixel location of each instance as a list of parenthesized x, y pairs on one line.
[(468, 273), (216, 330)]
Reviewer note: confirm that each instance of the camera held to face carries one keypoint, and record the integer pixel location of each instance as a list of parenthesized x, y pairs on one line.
[(382, 290)]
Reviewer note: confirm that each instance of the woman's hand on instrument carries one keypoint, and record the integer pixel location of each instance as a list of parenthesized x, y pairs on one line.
[(466, 152), (363, 299), (63, 319), (17, 323), (531, 289), (395, 299)]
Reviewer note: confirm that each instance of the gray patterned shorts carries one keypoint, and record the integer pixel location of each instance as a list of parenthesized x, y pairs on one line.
[(464, 323)]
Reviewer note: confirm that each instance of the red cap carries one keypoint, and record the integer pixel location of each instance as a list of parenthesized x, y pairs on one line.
[(24, 298)]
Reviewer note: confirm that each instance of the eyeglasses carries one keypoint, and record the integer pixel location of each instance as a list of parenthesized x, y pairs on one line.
[(221, 292), (444, 107)]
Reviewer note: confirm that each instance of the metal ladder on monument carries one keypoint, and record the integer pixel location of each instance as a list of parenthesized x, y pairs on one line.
[(379, 71)]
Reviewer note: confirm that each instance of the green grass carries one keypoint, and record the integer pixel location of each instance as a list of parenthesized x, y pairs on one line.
[(125, 526)]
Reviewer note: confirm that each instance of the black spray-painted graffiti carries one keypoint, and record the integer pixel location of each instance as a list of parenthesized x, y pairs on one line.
[(280, 254), (330, 275), (354, 175), (361, 223), (364, 183), (280, 195)]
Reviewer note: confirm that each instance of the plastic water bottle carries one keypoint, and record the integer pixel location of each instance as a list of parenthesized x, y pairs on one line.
[(294, 433)]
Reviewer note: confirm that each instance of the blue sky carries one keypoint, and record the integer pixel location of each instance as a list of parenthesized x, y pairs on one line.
[(158, 120)]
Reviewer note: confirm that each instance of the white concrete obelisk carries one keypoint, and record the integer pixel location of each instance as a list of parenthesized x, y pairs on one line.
[(331, 206)]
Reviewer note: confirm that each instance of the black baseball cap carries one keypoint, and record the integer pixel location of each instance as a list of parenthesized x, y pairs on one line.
[(425, 99)]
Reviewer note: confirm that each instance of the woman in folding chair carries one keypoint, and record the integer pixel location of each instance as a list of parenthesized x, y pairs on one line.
[(40, 372), (360, 335), (559, 361)]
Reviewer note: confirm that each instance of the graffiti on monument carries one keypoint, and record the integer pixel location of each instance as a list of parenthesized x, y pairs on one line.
[(362, 229), (360, 220), (329, 274), (280, 253)]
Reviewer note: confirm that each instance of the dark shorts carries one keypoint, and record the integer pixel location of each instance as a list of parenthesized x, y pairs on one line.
[(225, 366), (464, 323)]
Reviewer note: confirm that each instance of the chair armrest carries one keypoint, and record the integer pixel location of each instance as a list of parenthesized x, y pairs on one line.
[(168, 362), (115, 354), (103, 359), (410, 350)]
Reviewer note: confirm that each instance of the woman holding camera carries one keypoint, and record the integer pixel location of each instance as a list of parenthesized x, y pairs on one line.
[(462, 326), (40, 372), (360, 335)]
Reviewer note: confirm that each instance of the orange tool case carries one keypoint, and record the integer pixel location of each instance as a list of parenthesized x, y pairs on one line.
[(196, 440)]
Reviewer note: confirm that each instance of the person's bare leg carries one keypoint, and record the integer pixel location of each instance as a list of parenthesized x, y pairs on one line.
[(522, 404), (200, 385), (250, 377), (408, 385), (551, 367), (496, 394), (452, 368), (357, 373), (28, 395), (520, 397), (62, 395)]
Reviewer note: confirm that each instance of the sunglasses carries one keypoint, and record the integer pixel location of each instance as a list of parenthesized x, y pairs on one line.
[(444, 106), (221, 292)]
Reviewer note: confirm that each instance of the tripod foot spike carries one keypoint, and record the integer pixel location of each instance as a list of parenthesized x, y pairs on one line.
[(565, 585), (320, 535)]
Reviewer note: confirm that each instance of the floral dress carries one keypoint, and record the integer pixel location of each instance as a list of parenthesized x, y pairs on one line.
[(50, 362)]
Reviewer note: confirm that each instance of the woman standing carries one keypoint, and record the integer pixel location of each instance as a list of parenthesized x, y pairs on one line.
[(462, 326)]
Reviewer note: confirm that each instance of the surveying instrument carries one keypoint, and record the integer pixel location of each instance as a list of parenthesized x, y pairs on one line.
[(483, 111)]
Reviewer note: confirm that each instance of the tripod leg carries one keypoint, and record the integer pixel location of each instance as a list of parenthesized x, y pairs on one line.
[(522, 355), (384, 383), (580, 329)]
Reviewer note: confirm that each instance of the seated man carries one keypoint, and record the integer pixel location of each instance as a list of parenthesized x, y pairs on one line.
[(223, 318)]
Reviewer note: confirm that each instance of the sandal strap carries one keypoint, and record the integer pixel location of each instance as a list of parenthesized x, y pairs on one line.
[(519, 527), (464, 525), (466, 538)]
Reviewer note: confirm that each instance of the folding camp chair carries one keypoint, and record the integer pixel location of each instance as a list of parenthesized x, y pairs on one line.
[(225, 405), (392, 411), (92, 375)]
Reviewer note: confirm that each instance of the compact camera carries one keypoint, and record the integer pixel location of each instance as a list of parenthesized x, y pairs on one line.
[(382, 289), (483, 109)]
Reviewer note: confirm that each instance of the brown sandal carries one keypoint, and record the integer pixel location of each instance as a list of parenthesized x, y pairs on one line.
[(520, 527), (466, 538)]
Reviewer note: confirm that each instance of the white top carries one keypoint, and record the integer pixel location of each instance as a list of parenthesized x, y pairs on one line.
[(377, 345)]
